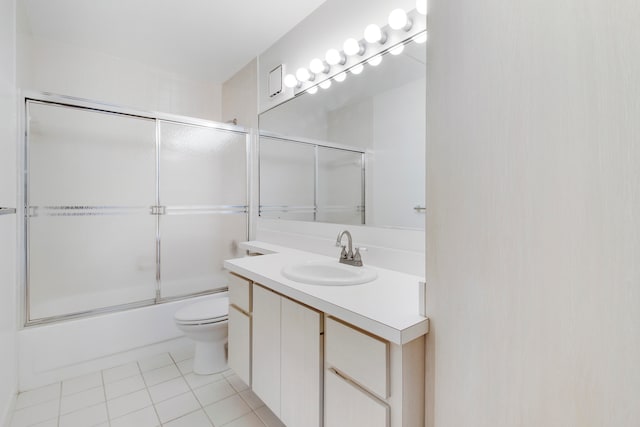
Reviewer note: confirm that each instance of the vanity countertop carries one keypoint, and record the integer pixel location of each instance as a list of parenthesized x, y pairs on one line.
[(386, 307)]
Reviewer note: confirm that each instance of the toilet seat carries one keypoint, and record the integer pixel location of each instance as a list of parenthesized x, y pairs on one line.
[(214, 310)]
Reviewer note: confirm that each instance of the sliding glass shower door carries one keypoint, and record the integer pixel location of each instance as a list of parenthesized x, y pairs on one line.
[(91, 181), (124, 210), (203, 189)]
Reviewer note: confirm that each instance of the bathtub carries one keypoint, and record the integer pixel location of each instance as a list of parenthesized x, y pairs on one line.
[(64, 350)]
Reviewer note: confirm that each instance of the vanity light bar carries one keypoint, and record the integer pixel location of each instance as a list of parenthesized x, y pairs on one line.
[(318, 73)]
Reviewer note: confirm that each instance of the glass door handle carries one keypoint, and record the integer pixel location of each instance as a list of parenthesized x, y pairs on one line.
[(7, 211)]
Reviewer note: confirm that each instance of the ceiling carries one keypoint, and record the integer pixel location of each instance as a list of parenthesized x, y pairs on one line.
[(208, 40)]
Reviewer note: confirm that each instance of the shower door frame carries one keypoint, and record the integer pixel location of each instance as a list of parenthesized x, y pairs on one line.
[(95, 106)]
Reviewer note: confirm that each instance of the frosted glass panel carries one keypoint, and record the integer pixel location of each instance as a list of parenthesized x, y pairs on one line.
[(340, 186), (287, 179), (87, 158), (202, 166), (80, 263), (194, 248)]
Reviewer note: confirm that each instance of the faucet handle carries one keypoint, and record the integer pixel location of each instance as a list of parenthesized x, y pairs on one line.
[(357, 258), (343, 253)]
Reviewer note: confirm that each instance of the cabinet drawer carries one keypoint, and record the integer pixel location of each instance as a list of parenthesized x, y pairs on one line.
[(240, 344), (240, 292), (348, 406), (361, 357)]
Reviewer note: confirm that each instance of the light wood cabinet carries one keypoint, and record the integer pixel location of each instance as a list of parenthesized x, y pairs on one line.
[(287, 358), (347, 405), (301, 369), (313, 370), (266, 347), (239, 349), (240, 343), (366, 373)]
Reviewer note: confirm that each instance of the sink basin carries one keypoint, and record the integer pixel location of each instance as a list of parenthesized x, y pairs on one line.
[(328, 273)]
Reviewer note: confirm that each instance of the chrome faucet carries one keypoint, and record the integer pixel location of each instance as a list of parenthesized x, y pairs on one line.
[(348, 256)]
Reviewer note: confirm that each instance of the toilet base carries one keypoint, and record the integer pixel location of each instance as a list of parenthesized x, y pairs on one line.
[(210, 358)]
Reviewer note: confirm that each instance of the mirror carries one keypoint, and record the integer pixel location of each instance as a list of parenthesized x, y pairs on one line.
[(353, 153)]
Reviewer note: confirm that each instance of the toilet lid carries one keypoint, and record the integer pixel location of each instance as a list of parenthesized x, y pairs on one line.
[(206, 310)]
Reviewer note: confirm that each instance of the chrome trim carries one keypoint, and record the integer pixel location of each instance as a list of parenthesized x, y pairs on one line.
[(88, 313), (286, 208), (213, 209), (27, 223), (71, 101), (7, 211), (35, 211), (158, 241), (119, 308), (309, 141), (316, 175), (340, 208), (363, 176)]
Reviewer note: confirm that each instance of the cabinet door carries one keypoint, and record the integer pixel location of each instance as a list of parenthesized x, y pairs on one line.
[(240, 343), (346, 405), (266, 347), (301, 365)]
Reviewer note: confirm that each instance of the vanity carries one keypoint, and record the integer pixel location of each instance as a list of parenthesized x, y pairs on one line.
[(327, 355)]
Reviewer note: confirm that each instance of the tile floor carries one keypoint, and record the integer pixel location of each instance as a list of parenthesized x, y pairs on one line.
[(157, 391)]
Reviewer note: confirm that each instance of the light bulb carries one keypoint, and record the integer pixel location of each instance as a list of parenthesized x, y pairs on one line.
[(326, 84), (420, 38), (340, 77), (357, 69), (373, 34), (375, 61), (397, 50), (318, 66), (312, 90), (352, 47), (334, 57), (290, 80), (304, 75), (421, 7), (398, 20)]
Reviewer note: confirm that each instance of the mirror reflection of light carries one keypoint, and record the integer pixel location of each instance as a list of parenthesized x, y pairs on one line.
[(340, 77), (398, 20), (420, 38), (325, 84), (312, 90), (303, 75), (397, 50), (375, 61), (357, 69), (373, 34), (334, 57), (352, 47), (290, 81), (318, 66)]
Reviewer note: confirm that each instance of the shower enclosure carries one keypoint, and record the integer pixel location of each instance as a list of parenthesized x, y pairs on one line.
[(125, 209)]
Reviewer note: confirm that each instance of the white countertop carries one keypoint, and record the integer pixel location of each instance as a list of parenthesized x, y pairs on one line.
[(386, 307)]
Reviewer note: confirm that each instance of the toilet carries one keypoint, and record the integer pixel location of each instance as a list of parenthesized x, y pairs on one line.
[(206, 323)]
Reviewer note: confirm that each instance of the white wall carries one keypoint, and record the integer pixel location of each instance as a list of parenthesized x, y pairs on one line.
[(8, 134), (240, 96), (68, 70), (533, 228)]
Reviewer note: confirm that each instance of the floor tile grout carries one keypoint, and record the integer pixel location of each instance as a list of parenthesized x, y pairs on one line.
[(229, 378)]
